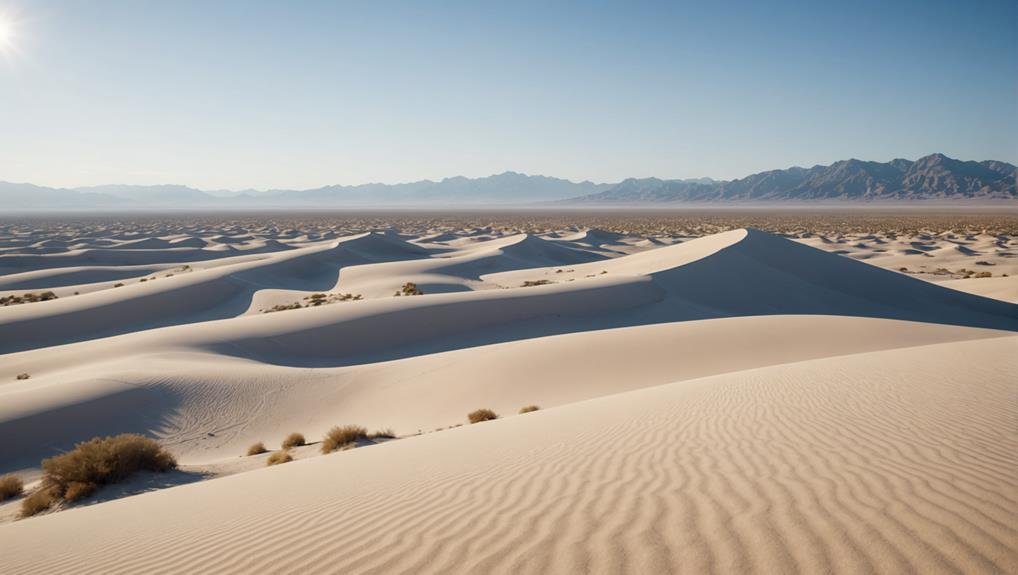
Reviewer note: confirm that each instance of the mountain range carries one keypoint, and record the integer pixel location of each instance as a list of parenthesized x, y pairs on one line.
[(933, 177)]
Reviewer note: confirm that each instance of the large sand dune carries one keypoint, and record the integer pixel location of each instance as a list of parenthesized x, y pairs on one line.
[(735, 402), (898, 461)]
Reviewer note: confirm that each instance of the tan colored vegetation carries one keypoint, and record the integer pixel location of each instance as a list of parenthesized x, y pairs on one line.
[(101, 461), (257, 449), (279, 457), (529, 408), (293, 440), (22, 376), (43, 499), (315, 300), (10, 486), (341, 437), (480, 415), (382, 434), (29, 297), (409, 288)]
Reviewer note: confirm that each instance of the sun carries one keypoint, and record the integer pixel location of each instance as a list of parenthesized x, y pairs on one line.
[(6, 32)]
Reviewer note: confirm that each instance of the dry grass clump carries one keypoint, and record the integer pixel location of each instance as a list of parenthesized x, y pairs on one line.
[(294, 440), (383, 434), (279, 457), (257, 449), (10, 486), (43, 499), (529, 408), (341, 437), (481, 415), (532, 283), (409, 288), (100, 461), (23, 376), (27, 298)]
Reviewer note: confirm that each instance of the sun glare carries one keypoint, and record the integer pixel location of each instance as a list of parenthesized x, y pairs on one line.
[(6, 32)]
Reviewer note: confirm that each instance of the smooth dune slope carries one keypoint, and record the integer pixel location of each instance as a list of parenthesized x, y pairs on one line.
[(209, 406), (890, 461)]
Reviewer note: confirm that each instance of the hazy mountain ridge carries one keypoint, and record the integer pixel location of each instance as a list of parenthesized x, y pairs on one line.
[(932, 177)]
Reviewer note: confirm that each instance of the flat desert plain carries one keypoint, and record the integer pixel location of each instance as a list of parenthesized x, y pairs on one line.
[(751, 392)]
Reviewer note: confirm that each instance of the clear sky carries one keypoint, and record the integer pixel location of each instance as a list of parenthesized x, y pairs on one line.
[(246, 94)]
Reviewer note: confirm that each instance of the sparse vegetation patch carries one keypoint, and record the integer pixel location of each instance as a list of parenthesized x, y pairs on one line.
[(409, 288), (30, 297), (101, 461), (341, 437), (480, 415), (10, 486), (279, 457), (315, 300), (256, 449), (529, 408), (293, 440)]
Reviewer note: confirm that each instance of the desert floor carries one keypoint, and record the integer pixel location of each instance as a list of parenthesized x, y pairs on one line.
[(732, 392)]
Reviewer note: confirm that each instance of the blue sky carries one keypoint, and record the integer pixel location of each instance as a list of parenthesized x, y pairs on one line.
[(250, 94)]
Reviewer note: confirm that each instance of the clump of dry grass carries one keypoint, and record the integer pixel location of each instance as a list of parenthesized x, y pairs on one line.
[(279, 457), (409, 288), (480, 415), (103, 460), (341, 437), (294, 440), (43, 499), (529, 408), (23, 376), (383, 434), (10, 486), (257, 449)]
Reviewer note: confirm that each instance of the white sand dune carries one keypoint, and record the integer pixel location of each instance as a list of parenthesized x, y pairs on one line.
[(894, 461), (167, 385), (737, 402)]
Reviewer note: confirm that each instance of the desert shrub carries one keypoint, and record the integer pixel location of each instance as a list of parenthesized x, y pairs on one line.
[(532, 283), (41, 500), (256, 449), (383, 434), (529, 408), (279, 457), (409, 288), (293, 440), (103, 460), (481, 415), (23, 376), (10, 486), (118, 285), (339, 437)]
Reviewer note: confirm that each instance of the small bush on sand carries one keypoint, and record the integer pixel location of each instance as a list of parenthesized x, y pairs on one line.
[(294, 440), (409, 288), (10, 486), (340, 437), (23, 376), (529, 408), (41, 500), (279, 457), (103, 460), (481, 415), (257, 449), (383, 434)]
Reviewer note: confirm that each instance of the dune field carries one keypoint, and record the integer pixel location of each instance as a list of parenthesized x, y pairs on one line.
[(718, 393)]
